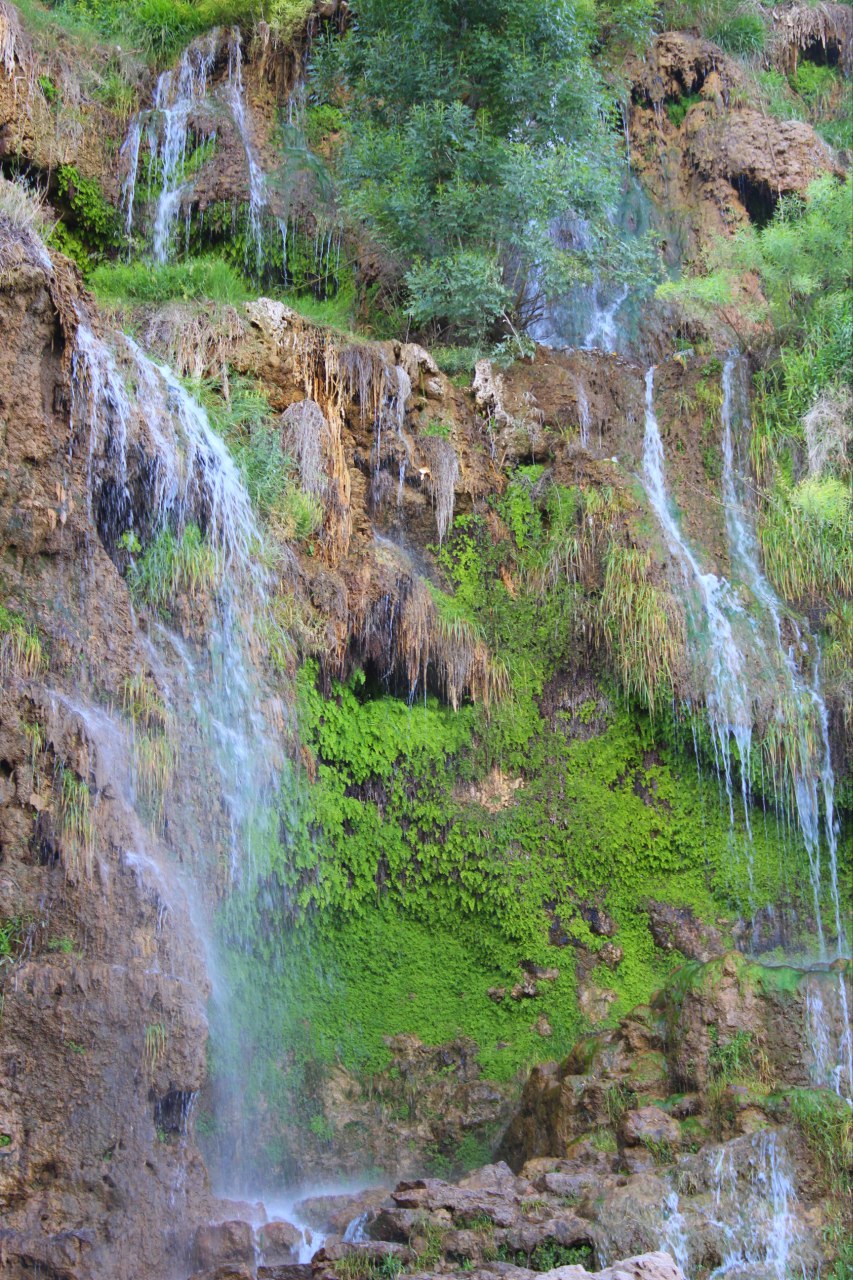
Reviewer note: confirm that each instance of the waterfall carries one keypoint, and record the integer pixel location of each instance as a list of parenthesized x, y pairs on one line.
[(177, 94), (149, 438), (192, 470), (130, 158), (603, 331), (828, 1034), (675, 1236), (257, 178), (753, 1208), (713, 608), (810, 767), (741, 657)]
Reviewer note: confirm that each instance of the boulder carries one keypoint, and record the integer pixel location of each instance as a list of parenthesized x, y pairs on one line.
[(280, 1242), (288, 1271), (221, 1243), (647, 1126)]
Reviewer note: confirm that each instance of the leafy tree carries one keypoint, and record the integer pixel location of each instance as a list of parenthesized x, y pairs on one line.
[(474, 124)]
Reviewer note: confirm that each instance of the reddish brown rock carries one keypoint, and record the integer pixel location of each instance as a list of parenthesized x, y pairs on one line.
[(223, 1243), (279, 1242), (649, 1126)]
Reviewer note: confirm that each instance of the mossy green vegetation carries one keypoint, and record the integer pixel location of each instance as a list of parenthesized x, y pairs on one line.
[(408, 898)]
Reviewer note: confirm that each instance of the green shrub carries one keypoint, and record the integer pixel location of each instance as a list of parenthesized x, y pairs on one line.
[(677, 109), (467, 135), (93, 227), (322, 119), (815, 84)]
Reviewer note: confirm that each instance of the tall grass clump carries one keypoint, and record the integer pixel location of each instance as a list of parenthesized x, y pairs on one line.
[(76, 825), (157, 29), (174, 565), (738, 26), (642, 627), (20, 647), (23, 205), (827, 1125), (208, 278), (807, 539)]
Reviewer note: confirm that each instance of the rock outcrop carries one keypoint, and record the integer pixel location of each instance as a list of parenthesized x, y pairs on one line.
[(709, 156)]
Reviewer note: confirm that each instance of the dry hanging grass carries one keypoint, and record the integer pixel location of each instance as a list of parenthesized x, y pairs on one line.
[(10, 38), (197, 342), (828, 428), (804, 26), (306, 431), (443, 478), (403, 633)]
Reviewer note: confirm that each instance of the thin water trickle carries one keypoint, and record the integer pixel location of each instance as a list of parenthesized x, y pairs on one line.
[(130, 158), (257, 178), (182, 97), (675, 1236), (583, 413)]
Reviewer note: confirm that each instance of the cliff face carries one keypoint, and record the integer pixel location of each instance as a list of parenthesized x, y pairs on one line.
[(122, 900), (103, 1028)]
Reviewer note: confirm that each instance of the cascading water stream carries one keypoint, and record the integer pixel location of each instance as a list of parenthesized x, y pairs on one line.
[(227, 727), (675, 1236), (742, 662), (177, 95), (755, 1211), (603, 331), (813, 779), (180, 93), (257, 178), (713, 607)]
